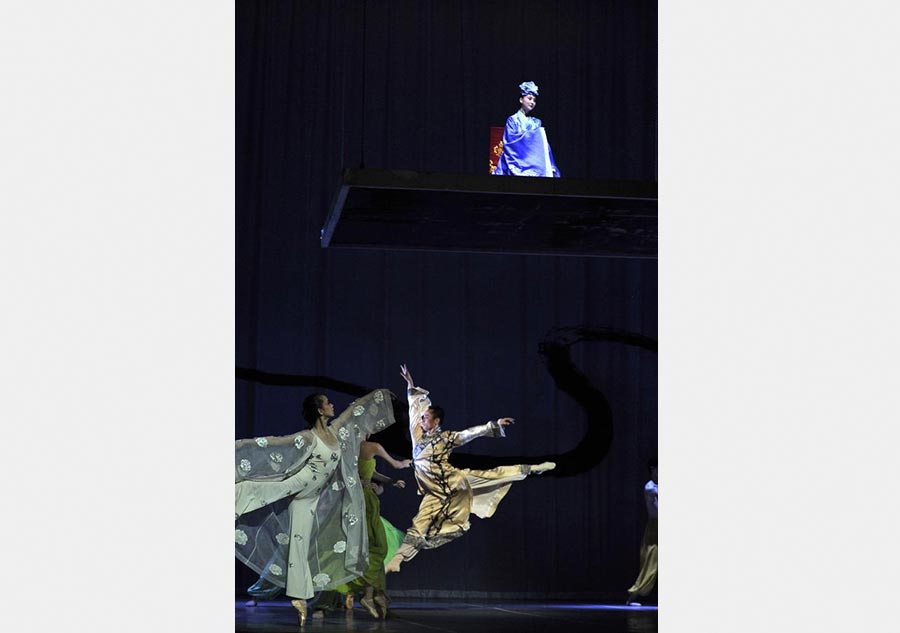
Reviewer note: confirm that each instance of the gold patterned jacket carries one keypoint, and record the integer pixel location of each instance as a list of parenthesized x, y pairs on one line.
[(431, 451)]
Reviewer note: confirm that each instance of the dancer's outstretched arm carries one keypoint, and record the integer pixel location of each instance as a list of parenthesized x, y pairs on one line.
[(383, 454), (494, 428), (378, 397), (379, 478), (269, 440)]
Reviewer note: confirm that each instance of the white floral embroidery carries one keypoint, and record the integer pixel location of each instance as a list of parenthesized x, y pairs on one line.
[(343, 446), (379, 397), (299, 441), (262, 442), (344, 433), (380, 424), (351, 481), (352, 519), (320, 580), (373, 409), (340, 547), (282, 538), (337, 486), (275, 569), (359, 410), (240, 537), (275, 461), (245, 465)]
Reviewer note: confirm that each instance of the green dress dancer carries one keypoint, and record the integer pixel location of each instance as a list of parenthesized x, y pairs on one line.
[(374, 575), (384, 539)]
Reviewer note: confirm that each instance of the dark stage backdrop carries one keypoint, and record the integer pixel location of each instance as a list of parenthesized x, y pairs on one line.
[(417, 85)]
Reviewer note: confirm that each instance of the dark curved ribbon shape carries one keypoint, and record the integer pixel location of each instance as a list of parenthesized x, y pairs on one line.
[(555, 353)]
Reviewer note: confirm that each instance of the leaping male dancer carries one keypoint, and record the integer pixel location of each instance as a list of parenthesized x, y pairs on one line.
[(450, 494)]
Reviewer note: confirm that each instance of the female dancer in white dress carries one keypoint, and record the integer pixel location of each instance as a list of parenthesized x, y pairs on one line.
[(299, 509)]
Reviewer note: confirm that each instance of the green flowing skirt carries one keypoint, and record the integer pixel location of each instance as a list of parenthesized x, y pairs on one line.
[(378, 546), (384, 541), (394, 539)]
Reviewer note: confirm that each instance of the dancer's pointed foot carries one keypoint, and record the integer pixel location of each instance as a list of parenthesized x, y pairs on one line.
[(369, 605), (300, 605), (537, 469), (393, 564), (262, 589), (348, 601), (381, 604)]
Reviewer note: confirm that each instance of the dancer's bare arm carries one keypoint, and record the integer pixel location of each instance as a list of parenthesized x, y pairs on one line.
[(383, 454), (378, 477)]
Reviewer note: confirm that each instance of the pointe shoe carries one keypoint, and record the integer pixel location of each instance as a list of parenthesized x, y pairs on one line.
[(369, 605), (348, 602), (300, 605), (393, 564), (537, 469), (381, 604), (262, 589)]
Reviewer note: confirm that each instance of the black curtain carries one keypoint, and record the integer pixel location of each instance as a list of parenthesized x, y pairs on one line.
[(417, 85)]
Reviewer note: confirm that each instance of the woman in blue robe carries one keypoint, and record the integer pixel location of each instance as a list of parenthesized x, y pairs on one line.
[(526, 151)]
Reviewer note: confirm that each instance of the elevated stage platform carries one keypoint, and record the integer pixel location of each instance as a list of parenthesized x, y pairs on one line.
[(406, 210)]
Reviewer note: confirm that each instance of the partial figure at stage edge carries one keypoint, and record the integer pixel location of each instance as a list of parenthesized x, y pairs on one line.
[(646, 581)]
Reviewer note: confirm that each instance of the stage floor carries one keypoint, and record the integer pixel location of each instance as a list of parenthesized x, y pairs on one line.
[(423, 616)]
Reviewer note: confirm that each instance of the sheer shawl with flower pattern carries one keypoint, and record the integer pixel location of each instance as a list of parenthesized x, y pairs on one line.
[(338, 549)]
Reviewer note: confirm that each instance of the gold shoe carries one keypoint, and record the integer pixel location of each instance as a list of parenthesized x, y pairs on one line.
[(348, 602), (300, 605), (381, 603), (369, 606)]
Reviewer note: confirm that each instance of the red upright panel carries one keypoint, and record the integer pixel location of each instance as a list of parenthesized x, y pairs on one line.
[(496, 148)]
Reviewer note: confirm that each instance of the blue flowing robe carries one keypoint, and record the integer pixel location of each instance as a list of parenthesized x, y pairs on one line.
[(526, 151)]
